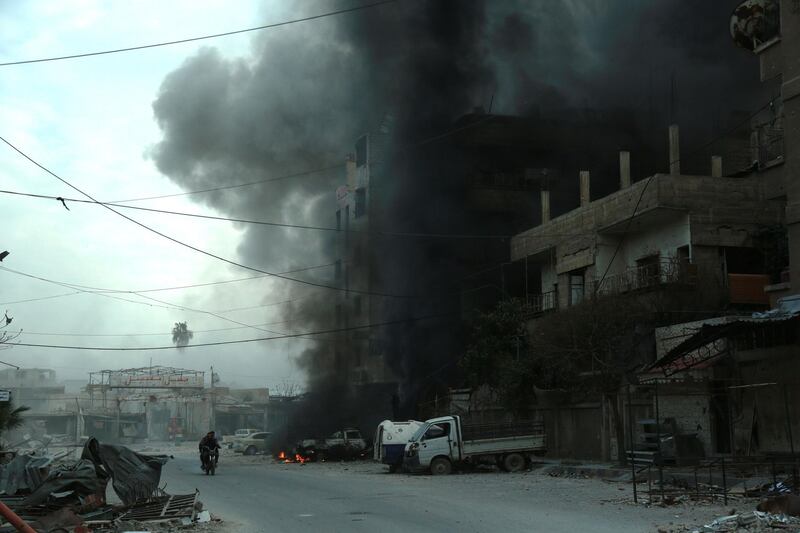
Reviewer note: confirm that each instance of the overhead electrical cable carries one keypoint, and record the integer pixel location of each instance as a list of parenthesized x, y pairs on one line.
[(205, 252), (41, 298), (337, 166), (281, 224), (159, 289), (153, 334), (239, 341), (199, 38), (332, 166)]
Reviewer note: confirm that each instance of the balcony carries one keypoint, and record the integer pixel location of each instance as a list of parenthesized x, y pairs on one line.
[(537, 304), (648, 276)]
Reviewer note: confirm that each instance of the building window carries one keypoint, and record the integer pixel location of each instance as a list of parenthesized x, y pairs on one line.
[(338, 270), (347, 218), (361, 202), (576, 287), (357, 304), (361, 151), (338, 220)]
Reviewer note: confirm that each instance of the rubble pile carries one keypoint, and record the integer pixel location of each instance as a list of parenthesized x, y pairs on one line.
[(52, 493), (752, 522)]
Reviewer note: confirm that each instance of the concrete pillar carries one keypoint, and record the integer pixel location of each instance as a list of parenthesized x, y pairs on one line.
[(624, 169), (585, 198), (716, 166), (545, 197), (790, 93), (674, 150), (563, 291)]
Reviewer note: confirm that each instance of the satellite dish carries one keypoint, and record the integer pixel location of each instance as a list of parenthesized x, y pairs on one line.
[(754, 22)]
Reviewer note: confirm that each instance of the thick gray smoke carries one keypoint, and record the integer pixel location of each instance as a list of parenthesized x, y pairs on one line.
[(306, 91)]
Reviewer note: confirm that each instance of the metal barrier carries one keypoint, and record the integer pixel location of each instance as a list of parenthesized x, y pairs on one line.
[(716, 478)]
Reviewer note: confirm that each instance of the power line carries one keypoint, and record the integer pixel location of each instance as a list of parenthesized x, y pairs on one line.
[(85, 289), (160, 289), (154, 334), (166, 305), (240, 341), (281, 224), (195, 248), (650, 179), (338, 166), (200, 38), (42, 298), (332, 166)]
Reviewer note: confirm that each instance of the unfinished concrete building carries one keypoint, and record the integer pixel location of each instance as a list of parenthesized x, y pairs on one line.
[(700, 233)]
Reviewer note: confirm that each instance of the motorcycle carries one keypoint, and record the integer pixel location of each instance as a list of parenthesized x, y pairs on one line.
[(207, 459)]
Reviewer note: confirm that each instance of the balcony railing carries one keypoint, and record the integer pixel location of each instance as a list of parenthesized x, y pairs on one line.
[(541, 303), (650, 275)]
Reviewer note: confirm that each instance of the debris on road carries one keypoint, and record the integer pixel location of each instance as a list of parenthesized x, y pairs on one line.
[(51, 493), (752, 521)]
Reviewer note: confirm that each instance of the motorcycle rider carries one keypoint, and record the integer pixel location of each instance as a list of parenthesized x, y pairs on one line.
[(210, 440)]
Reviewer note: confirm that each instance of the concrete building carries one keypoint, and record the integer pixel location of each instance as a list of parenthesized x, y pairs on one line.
[(699, 233), (736, 380), (775, 39)]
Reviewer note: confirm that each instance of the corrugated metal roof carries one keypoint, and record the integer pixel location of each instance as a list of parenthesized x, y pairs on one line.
[(788, 309)]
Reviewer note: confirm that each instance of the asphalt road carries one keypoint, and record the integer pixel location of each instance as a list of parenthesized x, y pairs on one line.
[(265, 497)]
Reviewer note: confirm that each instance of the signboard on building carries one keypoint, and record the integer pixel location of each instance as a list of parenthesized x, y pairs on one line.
[(5, 395), (164, 380)]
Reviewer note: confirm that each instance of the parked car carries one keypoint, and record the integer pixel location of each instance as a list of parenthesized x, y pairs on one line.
[(253, 443), (229, 440), (442, 443), (345, 444)]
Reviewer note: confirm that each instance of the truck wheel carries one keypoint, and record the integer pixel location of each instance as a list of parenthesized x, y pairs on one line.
[(250, 450), (441, 466), (513, 462)]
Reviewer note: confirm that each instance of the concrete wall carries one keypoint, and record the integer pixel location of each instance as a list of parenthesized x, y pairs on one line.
[(702, 212), (691, 411), (663, 240), (774, 365)]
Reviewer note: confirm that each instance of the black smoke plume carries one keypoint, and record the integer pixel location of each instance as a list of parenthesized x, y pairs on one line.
[(606, 75)]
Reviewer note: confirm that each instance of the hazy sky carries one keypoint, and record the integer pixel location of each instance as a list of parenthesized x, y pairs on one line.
[(91, 121)]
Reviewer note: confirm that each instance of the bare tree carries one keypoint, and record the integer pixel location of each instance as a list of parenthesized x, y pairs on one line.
[(181, 334), (6, 338)]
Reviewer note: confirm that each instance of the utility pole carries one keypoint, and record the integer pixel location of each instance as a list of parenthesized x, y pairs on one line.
[(212, 417)]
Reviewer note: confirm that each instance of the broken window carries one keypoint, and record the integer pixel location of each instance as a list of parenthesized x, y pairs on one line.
[(361, 202), (361, 151)]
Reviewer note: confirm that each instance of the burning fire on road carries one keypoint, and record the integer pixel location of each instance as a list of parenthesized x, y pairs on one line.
[(289, 458)]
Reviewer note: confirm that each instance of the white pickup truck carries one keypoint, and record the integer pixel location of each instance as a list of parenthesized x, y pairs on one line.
[(442, 443)]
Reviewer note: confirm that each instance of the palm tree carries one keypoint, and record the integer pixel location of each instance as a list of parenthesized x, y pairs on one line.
[(10, 418), (181, 334)]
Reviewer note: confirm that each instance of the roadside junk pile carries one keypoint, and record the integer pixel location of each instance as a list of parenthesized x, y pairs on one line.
[(752, 521), (60, 494)]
